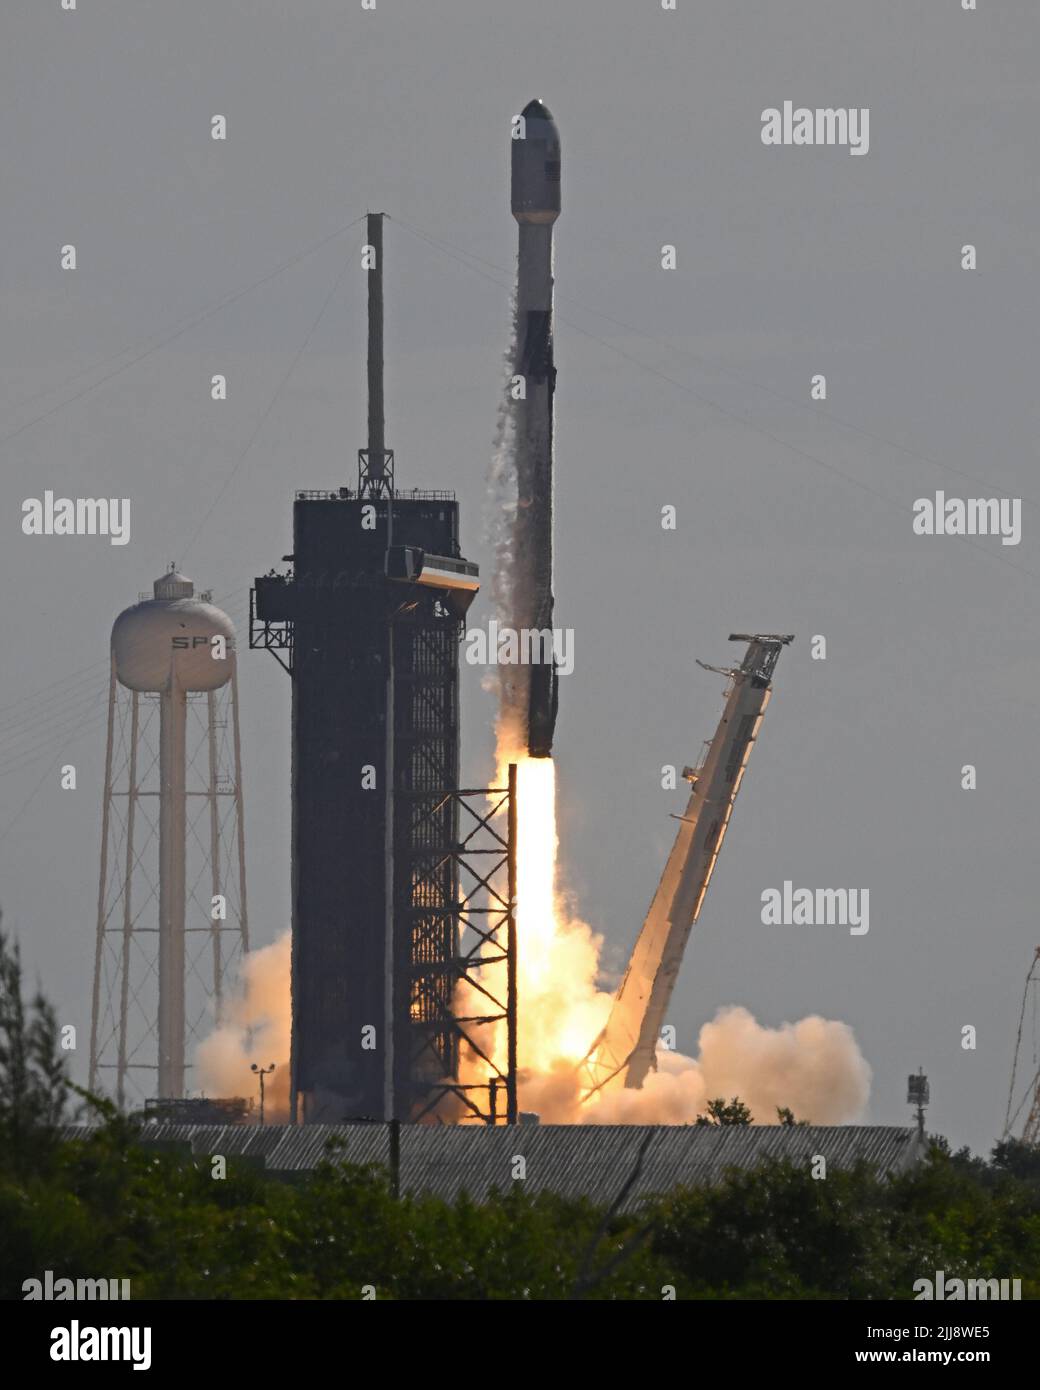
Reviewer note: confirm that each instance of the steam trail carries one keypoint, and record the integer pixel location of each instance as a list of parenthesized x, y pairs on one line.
[(500, 506)]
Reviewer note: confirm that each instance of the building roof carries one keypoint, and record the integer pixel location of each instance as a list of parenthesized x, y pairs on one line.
[(590, 1161)]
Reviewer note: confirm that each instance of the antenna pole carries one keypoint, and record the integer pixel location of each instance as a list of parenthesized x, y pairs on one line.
[(376, 424), (376, 462)]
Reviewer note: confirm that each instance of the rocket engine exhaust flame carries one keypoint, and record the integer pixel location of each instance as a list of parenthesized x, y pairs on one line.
[(813, 1066)]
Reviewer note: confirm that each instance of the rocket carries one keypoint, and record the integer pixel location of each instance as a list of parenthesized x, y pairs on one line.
[(536, 205)]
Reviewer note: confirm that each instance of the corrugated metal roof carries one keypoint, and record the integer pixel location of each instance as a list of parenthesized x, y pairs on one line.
[(573, 1160)]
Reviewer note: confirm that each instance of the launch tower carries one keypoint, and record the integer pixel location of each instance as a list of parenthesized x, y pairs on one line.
[(368, 622)]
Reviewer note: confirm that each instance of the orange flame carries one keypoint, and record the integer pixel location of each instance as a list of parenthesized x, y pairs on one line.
[(559, 1007), (815, 1065)]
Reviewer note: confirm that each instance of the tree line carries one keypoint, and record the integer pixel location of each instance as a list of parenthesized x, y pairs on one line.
[(106, 1206)]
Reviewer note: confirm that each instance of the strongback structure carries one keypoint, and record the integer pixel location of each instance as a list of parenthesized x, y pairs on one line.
[(171, 925), (368, 623), (626, 1049)]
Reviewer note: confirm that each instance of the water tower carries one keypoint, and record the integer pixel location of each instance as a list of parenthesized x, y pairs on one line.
[(172, 897)]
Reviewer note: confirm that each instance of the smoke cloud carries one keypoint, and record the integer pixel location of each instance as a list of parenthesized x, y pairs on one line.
[(257, 1028), (813, 1067)]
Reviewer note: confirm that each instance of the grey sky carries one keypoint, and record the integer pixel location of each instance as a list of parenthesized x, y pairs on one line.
[(790, 261)]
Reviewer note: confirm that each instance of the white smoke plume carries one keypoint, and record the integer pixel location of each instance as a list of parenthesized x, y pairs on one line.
[(813, 1067), (257, 1028), (500, 504)]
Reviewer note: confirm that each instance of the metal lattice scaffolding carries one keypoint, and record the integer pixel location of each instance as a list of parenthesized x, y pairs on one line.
[(483, 864)]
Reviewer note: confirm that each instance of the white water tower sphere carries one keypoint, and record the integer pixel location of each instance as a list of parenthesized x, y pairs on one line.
[(172, 634)]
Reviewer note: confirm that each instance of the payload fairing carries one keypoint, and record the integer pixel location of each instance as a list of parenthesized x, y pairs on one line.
[(531, 691)]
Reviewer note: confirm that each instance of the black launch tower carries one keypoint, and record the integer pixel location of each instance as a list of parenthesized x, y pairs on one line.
[(368, 622)]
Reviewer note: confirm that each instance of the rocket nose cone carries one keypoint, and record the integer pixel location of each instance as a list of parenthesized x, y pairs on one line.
[(536, 109), (535, 164)]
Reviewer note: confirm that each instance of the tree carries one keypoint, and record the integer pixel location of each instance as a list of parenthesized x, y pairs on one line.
[(34, 1085), (1018, 1158), (719, 1113)]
